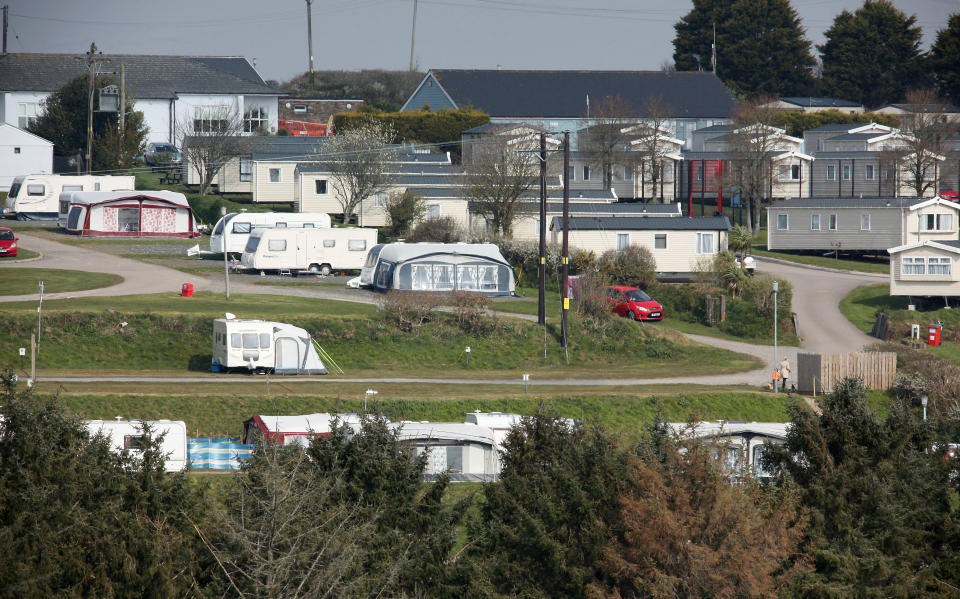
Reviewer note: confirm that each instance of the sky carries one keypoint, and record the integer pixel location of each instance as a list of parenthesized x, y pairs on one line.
[(376, 34)]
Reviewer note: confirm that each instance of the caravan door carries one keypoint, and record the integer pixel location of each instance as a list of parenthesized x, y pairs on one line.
[(301, 250), (287, 356)]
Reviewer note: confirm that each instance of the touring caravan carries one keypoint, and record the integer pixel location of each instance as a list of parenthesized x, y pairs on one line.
[(444, 267), (128, 435), (263, 346), (128, 214), (316, 250), (37, 197), (236, 227)]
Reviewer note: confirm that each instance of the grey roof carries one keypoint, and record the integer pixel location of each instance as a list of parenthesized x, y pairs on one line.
[(821, 102), (847, 154), (642, 223), (954, 243), (855, 136), (563, 94), (496, 127), (925, 107), (714, 128), (147, 76), (895, 203)]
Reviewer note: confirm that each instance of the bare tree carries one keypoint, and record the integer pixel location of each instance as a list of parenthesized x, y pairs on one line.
[(209, 139), (926, 130), (651, 144), (500, 173), (753, 141), (357, 161), (606, 142)]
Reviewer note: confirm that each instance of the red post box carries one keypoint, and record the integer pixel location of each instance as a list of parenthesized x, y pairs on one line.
[(187, 290), (933, 334)]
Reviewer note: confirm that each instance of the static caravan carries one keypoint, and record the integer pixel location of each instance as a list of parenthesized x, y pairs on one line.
[(925, 269), (37, 197), (466, 451), (472, 267), (237, 226), (294, 430), (263, 346), (742, 443), (128, 435), (315, 250), (129, 214)]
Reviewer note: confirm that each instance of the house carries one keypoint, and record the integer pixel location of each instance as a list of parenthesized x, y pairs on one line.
[(128, 214), (168, 90), (526, 226), (708, 177), (802, 104), (944, 112), (466, 451), (562, 100), (679, 245), (22, 153), (740, 445), (814, 139), (858, 224), (925, 268)]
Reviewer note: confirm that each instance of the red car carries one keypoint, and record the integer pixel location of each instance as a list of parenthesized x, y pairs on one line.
[(634, 303), (950, 194), (8, 242)]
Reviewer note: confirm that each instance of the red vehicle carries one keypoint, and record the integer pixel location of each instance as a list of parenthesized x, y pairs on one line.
[(633, 303), (950, 194), (8, 242)]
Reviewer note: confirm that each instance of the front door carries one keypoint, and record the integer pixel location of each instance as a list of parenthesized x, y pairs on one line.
[(287, 355)]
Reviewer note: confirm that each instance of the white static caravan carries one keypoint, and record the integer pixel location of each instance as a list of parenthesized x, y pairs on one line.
[(237, 226), (743, 442), (37, 197), (128, 214), (128, 435), (466, 451), (263, 346), (316, 250), (444, 267)]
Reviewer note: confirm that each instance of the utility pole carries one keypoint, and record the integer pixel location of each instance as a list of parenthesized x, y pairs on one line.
[(713, 57), (123, 106), (413, 32), (542, 266), (6, 11), (92, 65), (310, 39), (565, 260)]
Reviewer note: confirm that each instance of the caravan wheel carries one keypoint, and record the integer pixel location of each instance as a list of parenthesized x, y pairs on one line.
[(325, 270), (314, 268)]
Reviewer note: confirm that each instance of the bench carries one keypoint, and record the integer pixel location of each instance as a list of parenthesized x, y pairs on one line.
[(171, 177)]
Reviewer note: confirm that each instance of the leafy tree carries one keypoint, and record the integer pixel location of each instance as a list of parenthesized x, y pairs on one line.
[(77, 520), (403, 210), (944, 59), (878, 493), (438, 230), (64, 122), (873, 55), (357, 160), (739, 240), (633, 265)]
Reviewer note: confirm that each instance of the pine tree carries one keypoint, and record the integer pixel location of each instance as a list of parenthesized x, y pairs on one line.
[(945, 59), (692, 50), (873, 55)]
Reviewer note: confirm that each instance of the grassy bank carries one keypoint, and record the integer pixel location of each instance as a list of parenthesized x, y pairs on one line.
[(21, 281)]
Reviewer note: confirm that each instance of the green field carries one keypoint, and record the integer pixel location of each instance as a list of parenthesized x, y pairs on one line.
[(22, 281), (22, 254)]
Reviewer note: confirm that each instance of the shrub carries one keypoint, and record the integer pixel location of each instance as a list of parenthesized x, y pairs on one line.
[(438, 230), (472, 312), (403, 209), (591, 300), (409, 310), (633, 265)]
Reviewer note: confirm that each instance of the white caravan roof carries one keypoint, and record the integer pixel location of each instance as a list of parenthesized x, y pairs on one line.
[(401, 252), (92, 198), (444, 431)]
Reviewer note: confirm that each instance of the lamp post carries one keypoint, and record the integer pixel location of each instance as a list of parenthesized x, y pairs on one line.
[(223, 240), (923, 402), (367, 395), (776, 356)]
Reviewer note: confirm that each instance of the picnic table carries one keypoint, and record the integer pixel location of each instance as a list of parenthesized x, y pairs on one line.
[(171, 176)]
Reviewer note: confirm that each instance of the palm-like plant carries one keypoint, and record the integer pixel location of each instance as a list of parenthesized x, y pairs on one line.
[(740, 240)]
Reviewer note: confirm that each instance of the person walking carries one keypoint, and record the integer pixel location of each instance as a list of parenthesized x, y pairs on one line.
[(785, 372)]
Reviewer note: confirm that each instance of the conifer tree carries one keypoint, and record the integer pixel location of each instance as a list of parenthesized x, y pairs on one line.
[(945, 59)]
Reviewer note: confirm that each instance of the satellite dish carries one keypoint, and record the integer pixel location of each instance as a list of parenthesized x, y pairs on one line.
[(230, 315)]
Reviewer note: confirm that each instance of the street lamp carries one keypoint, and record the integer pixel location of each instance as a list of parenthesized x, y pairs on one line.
[(923, 402), (776, 287)]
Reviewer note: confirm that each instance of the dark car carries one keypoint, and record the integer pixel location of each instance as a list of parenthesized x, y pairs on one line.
[(8, 242), (161, 153), (633, 303)]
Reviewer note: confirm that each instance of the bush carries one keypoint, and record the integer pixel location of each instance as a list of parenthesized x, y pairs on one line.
[(409, 310), (633, 265), (403, 209), (591, 299), (438, 230), (472, 312)]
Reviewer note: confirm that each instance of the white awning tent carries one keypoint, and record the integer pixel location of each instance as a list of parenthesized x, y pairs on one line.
[(444, 267), (466, 451)]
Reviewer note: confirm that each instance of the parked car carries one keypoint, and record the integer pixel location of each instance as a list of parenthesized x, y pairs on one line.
[(749, 264), (950, 194), (8, 242), (633, 303), (158, 153)]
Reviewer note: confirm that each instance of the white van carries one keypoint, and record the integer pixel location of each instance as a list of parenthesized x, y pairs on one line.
[(316, 250), (237, 226), (127, 435), (37, 197)]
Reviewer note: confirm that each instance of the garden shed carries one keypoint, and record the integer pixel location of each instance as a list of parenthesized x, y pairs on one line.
[(129, 214), (468, 267)]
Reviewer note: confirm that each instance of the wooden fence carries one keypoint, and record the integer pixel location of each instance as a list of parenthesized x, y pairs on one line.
[(817, 373)]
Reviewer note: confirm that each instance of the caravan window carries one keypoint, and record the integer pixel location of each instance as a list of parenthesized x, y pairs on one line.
[(236, 340), (74, 219), (467, 277), (64, 207), (35, 190), (14, 190), (488, 278), (277, 245), (281, 225), (308, 225), (72, 188), (134, 441), (264, 340), (443, 276), (252, 245), (251, 341), (329, 243), (128, 219), (241, 227), (422, 277), (357, 245)]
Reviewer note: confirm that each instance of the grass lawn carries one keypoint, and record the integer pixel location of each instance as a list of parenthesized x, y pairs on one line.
[(20, 281), (22, 254)]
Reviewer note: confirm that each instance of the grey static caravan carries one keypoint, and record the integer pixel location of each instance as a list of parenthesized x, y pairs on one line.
[(263, 346), (129, 435), (443, 267), (466, 451), (37, 197), (316, 250), (237, 226), (740, 444)]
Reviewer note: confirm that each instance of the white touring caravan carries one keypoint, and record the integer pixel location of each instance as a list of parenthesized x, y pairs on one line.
[(237, 226), (127, 435), (316, 250), (37, 197), (263, 346)]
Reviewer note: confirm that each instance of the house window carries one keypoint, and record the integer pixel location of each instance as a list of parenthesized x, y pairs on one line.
[(572, 175), (864, 222), (705, 243), (936, 222), (660, 241), (321, 186), (210, 119), (868, 172), (380, 199), (789, 172), (783, 222), (433, 211), (627, 173), (911, 266), (275, 175), (846, 172), (277, 245), (831, 172), (246, 170), (136, 442), (814, 222), (833, 222), (938, 266), (255, 119), (623, 241), (586, 172), (27, 113)]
